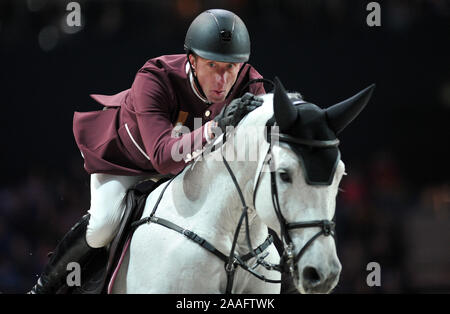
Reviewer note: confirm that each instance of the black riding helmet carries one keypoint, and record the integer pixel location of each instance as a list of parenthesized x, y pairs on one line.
[(217, 35)]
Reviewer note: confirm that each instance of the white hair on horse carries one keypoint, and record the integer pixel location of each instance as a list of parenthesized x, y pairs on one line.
[(204, 199)]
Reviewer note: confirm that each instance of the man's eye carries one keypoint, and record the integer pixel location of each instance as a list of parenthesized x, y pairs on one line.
[(211, 64), (230, 66)]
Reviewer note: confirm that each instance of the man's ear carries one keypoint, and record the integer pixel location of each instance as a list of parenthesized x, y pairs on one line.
[(193, 61)]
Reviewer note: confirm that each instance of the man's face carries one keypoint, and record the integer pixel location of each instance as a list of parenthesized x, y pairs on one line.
[(216, 78)]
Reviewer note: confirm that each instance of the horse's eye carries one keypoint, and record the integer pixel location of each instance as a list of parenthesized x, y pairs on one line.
[(285, 177)]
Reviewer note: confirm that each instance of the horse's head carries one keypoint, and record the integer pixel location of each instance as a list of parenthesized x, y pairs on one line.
[(297, 183)]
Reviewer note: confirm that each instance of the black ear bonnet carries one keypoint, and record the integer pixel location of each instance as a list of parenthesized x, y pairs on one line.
[(311, 131)]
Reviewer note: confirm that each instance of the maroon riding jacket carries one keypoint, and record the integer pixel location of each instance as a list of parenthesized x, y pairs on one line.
[(132, 135)]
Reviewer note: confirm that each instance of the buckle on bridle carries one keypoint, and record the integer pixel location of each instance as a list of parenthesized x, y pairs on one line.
[(289, 257), (327, 227), (260, 261), (289, 250), (230, 267)]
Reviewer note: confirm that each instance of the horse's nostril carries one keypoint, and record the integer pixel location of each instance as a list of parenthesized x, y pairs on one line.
[(310, 275)]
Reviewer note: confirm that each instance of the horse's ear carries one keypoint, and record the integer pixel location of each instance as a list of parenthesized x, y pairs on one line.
[(341, 114), (284, 111)]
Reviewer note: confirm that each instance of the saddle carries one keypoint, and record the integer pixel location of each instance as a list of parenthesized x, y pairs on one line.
[(98, 271)]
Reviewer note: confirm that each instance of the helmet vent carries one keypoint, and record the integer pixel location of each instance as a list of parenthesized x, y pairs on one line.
[(225, 35)]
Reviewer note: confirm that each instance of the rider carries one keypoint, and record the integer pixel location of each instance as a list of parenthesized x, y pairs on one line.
[(135, 134)]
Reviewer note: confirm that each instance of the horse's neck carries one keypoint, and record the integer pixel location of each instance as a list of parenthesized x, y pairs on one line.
[(209, 193)]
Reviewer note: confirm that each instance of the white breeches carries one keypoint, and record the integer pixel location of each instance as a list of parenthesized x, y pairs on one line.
[(107, 192)]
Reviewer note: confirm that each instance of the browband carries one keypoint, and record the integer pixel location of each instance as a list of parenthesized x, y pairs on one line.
[(314, 143)]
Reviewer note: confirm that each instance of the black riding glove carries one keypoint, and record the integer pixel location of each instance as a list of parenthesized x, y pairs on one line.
[(236, 110)]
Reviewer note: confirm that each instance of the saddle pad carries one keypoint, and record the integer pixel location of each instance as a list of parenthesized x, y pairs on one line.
[(119, 263)]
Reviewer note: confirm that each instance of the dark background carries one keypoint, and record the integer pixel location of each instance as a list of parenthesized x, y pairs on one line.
[(395, 208)]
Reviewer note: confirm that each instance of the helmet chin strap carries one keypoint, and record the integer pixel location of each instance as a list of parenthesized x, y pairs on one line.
[(196, 82)]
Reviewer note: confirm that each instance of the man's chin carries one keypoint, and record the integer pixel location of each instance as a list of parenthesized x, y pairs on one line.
[(216, 99)]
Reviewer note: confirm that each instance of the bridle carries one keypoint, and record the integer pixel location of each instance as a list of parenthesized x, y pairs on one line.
[(288, 262)]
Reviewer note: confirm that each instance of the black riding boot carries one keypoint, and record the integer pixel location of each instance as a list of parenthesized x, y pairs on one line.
[(72, 248)]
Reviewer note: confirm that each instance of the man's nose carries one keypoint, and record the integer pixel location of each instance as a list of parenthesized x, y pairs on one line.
[(221, 78)]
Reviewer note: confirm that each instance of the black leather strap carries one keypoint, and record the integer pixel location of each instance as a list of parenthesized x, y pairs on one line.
[(260, 80), (190, 235), (208, 246), (303, 141), (142, 221), (259, 249)]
